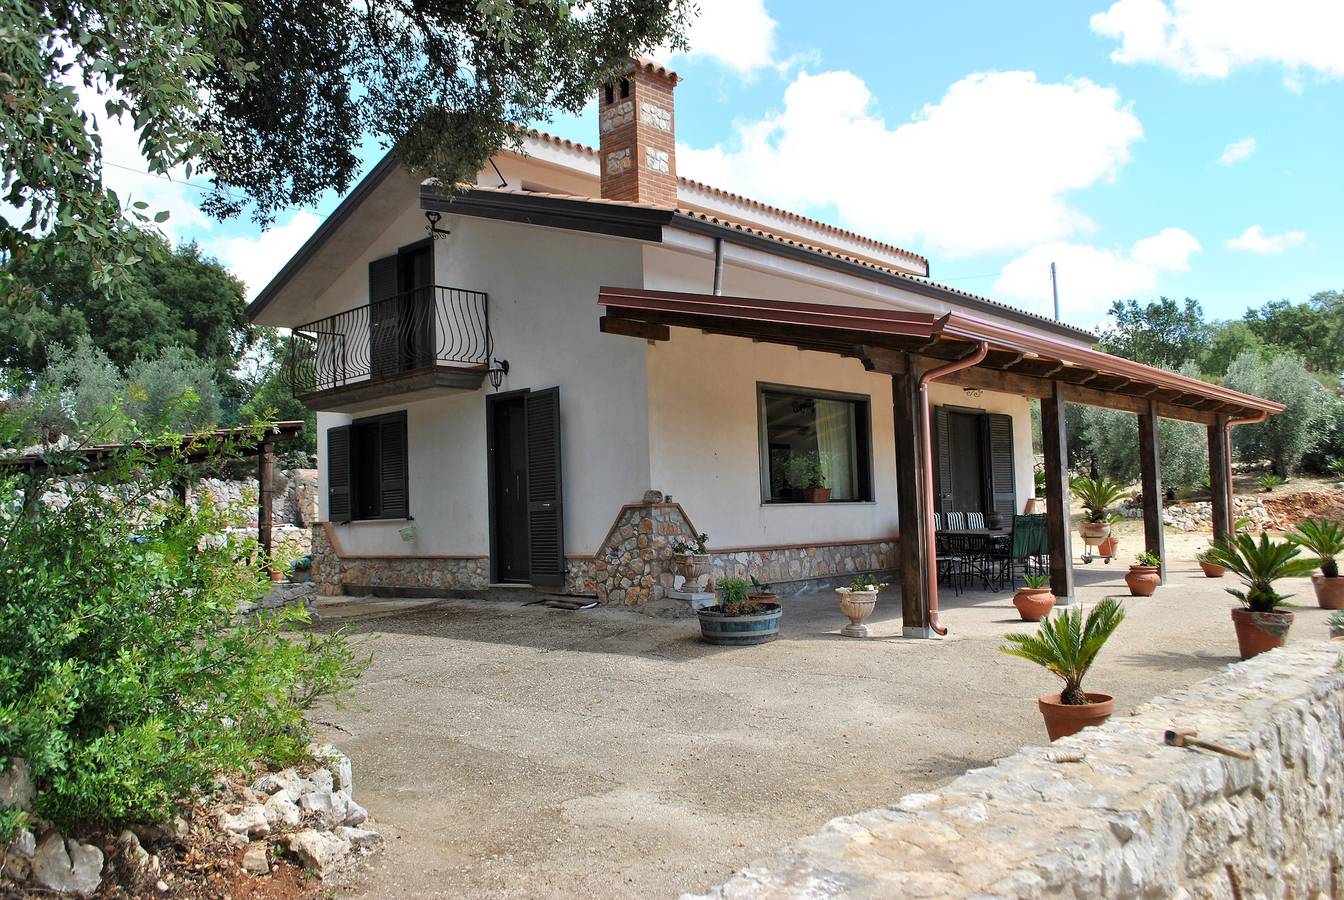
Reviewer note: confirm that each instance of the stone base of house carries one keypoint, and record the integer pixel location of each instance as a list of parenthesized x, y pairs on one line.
[(632, 568)]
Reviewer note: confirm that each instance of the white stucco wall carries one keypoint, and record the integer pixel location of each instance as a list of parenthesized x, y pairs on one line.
[(542, 286)]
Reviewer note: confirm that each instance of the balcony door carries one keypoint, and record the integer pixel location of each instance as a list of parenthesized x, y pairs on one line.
[(401, 310), (973, 461)]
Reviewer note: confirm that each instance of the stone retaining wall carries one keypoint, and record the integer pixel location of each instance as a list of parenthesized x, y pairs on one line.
[(333, 573), (1112, 812)]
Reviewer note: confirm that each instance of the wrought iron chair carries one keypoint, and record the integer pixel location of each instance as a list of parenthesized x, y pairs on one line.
[(975, 520), (950, 561), (956, 521)]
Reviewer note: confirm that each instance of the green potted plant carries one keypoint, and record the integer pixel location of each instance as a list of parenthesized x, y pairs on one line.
[(1033, 600), (736, 620), (761, 591), (857, 602), (690, 560), (1145, 575), (301, 570), (1336, 624), (1067, 645), (1326, 540), (1260, 624), (1211, 568), (805, 473), (1096, 495)]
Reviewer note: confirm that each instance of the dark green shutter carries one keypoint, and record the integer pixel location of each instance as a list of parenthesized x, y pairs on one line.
[(942, 461), (545, 507), (392, 467), (338, 474), (383, 279), (1002, 484)]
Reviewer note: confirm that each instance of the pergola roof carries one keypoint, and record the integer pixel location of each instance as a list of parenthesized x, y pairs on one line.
[(1018, 362), (241, 441)]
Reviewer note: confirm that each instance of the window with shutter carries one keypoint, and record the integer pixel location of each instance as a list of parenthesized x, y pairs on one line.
[(1002, 481), (392, 467), (338, 474)]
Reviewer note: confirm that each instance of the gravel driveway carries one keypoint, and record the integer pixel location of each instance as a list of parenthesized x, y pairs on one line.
[(515, 751)]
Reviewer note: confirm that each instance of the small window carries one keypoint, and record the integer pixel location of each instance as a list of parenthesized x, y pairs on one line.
[(625, 88), (609, 92), (813, 439), (367, 469)]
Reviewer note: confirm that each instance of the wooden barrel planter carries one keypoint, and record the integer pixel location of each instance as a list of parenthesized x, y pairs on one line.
[(740, 631)]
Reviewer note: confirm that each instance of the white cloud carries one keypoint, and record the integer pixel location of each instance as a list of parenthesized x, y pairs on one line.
[(1236, 152), (1212, 38), (1254, 240), (987, 168), (256, 259), (739, 34), (1090, 278)]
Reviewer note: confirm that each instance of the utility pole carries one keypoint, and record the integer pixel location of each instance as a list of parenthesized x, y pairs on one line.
[(1054, 286)]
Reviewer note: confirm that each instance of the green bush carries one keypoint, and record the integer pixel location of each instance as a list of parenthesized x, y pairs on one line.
[(1286, 438), (128, 678)]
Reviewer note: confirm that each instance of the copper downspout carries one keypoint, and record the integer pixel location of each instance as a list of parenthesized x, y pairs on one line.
[(931, 549), (1231, 491)]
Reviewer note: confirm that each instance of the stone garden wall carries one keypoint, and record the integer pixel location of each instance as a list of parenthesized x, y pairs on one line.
[(1198, 516), (334, 574), (1113, 812)]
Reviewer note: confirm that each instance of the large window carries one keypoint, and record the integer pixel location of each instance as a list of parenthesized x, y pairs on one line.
[(814, 439), (366, 469)]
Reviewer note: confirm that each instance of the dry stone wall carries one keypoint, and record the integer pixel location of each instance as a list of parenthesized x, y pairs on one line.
[(1113, 812)]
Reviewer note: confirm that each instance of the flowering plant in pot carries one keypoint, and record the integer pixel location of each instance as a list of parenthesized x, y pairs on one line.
[(1096, 495), (1326, 540), (1067, 644), (1260, 624), (690, 560), (1145, 575), (1211, 568), (1033, 600), (736, 619), (857, 602)]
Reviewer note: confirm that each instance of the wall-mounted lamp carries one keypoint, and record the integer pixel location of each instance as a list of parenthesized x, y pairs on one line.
[(435, 232), (498, 369), (972, 392)]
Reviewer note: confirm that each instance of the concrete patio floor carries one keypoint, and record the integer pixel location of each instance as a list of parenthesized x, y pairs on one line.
[(512, 751)]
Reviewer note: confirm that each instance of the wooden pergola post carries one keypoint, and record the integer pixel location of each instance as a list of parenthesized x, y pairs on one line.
[(265, 492), (1055, 440), (911, 469), (1220, 480), (1150, 465)]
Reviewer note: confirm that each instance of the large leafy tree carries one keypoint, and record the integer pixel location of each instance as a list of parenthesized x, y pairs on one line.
[(268, 98), (170, 298), (1314, 330), (1162, 333), (1283, 439)]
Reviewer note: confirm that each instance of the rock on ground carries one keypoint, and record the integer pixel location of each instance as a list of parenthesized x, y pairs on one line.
[(320, 851), (67, 866)]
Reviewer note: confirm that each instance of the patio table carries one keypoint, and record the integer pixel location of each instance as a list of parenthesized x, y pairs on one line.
[(975, 548)]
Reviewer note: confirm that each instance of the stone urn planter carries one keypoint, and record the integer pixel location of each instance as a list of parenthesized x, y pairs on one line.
[(1062, 720), (1143, 580), (857, 606), (1094, 533), (1033, 604), (1260, 631), (693, 567), (1329, 591)]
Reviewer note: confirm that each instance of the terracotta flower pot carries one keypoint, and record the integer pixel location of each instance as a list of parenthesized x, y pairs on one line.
[(816, 495), (1143, 580), (1212, 571), (1094, 532), (1260, 631), (857, 606), (1062, 720), (1329, 591), (1336, 633), (1109, 548), (277, 577), (1033, 604)]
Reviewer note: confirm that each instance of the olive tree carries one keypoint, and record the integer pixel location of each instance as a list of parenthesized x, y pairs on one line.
[(1285, 438)]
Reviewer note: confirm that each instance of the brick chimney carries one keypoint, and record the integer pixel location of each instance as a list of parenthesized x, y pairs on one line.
[(636, 119)]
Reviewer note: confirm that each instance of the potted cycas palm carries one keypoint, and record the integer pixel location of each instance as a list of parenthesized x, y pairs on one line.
[(1033, 600), (1096, 495), (1067, 644), (1260, 624), (736, 620), (1325, 539), (857, 602), (1336, 624), (690, 560), (1145, 575)]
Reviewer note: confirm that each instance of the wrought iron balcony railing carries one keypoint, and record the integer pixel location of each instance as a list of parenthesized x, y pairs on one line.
[(427, 328)]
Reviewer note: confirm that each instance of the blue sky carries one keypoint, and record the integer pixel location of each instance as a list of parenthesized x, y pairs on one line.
[(1178, 147)]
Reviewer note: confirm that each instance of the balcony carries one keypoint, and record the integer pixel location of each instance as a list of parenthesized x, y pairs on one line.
[(432, 340)]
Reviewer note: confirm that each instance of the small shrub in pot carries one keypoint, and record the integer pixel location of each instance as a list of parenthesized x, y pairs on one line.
[(738, 619), (1034, 600), (1260, 624), (1325, 539)]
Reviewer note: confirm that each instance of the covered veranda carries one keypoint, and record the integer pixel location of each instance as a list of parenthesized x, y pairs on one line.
[(916, 349)]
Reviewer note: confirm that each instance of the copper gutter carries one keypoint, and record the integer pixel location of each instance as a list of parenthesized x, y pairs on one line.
[(926, 437), (1227, 437)]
